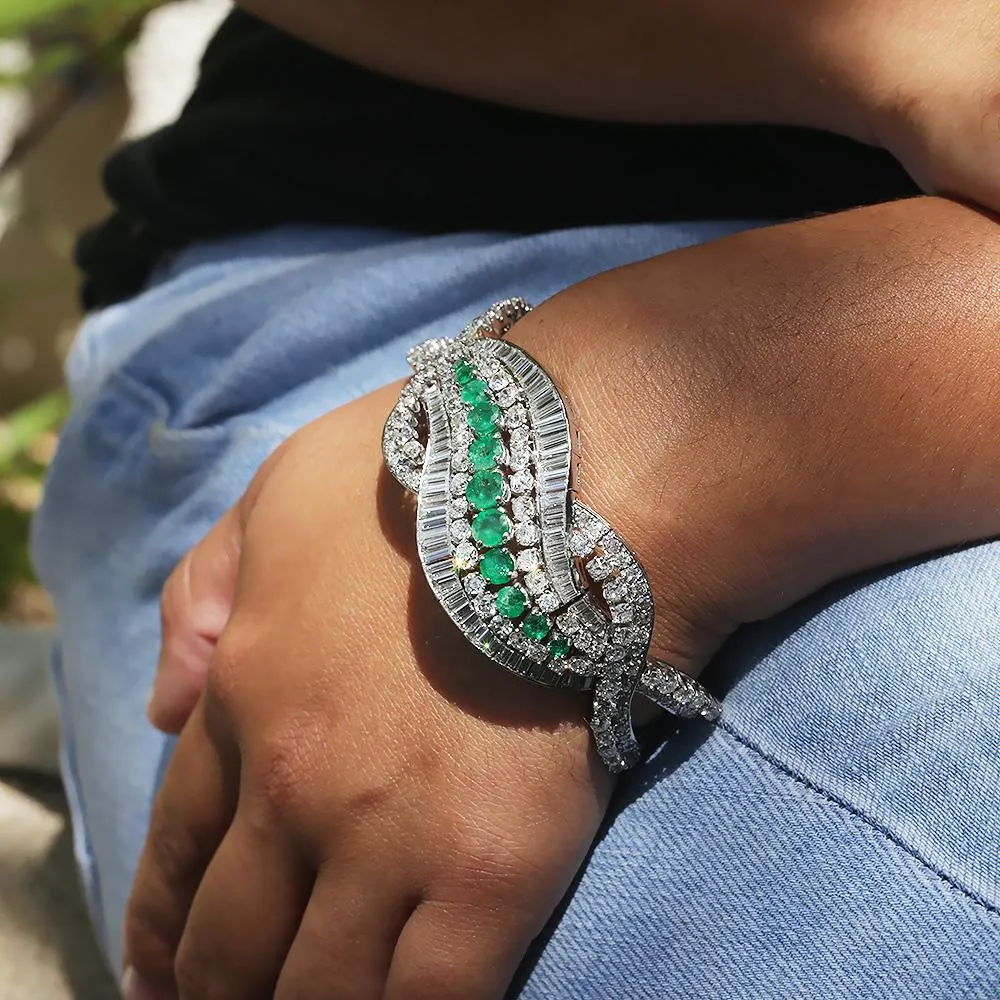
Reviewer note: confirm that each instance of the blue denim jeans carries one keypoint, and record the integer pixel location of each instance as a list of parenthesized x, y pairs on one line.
[(837, 836)]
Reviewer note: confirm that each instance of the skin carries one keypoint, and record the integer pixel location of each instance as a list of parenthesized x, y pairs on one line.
[(918, 77), (360, 806)]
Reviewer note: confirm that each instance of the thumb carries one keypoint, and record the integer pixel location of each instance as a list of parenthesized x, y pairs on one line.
[(194, 608)]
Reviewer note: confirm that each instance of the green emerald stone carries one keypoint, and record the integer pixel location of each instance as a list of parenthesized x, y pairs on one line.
[(464, 372), (510, 601), (474, 392), (483, 417), (485, 452), (559, 647), (497, 566), (485, 489), (491, 527), (535, 627)]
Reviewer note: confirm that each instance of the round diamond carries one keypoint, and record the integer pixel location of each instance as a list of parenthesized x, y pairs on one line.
[(460, 530), (465, 555), (528, 559), (511, 602), (485, 452), (524, 508), (458, 507), (459, 482), (413, 450), (521, 482), (491, 527), (536, 581), (535, 627), (474, 584), (516, 416), (497, 565), (484, 604), (547, 601), (526, 533), (485, 489)]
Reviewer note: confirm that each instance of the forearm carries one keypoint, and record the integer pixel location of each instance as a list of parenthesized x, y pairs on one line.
[(639, 60), (828, 388)]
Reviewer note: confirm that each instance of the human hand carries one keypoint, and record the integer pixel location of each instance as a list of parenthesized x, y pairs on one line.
[(359, 805), (773, 411)]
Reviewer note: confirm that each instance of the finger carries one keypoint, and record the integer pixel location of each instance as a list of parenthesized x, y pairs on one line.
[(450, 951), (191, 814), (346, 940), (194, 607), (244, 916)]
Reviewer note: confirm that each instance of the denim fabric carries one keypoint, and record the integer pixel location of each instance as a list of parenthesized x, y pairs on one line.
[(837, 837)]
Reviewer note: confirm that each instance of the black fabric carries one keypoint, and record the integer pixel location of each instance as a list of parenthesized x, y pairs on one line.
[(279, 132)]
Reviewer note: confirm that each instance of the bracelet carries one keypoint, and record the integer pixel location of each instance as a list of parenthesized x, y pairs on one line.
[(531, 576)]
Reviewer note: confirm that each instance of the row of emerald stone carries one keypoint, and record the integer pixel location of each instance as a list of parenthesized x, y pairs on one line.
[(491, 526)]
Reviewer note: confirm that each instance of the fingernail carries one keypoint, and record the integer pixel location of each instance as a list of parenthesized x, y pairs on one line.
[(134, 987)]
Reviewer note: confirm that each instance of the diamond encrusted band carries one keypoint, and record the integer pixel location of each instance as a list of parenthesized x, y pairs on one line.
[(531, 576)]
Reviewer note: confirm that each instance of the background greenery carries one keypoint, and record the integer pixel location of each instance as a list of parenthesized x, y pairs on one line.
[(74, 46)]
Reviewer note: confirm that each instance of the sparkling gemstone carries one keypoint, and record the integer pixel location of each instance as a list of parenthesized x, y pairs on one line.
[(622, 613), (459, 482), (464, 372), (484, 604), (599, 567), (485, 489), (507, 396), (535, 627), (491, 527), (521, 482), (568, 622), (579, 544), (526, 533), (528, 559), (460, 530), (536, 581), (537, 651), (559, 646), (458, 506), (413, 450), (615, 590), (483, 417), (516, 416), (497, 565), (547, 601), (524, 508), (519, 460), (520, 437), (511, 602), (474, 392), (465, 555), (474, 584), (499, 380), (460, 462), (485, 452)]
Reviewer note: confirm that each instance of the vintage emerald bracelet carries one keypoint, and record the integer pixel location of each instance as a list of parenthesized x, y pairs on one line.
[(532, 577)]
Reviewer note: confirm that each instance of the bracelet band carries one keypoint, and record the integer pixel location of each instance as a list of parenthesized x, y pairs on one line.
[(532, 577)]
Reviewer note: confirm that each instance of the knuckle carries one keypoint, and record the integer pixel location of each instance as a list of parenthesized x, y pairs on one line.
[(282, 772), (227, 671), (172, 846)]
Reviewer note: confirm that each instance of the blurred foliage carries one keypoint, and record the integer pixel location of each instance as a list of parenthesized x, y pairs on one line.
[(73, 45), (27, 442)]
